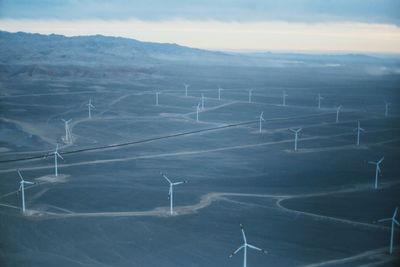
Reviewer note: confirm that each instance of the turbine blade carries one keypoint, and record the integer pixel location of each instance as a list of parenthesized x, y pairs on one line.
[(257, 248), (243, 234), (385, 220), (176, 183), (20, 175), (236, 251), (396, 222), (395, 212), (58, 155), (166, 178), (381, 160), (27, 182)]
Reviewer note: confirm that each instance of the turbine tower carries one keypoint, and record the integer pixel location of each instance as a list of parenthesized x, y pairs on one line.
[(68, 137), (90, 106), (296, 133), (171, 192), (197, 111), (202, 101), (157, 93), (284, 95), (319, 98), (22, 189), (337, 113), (219, 92), (359, 130), (250, 94), (261, 119), (394, 223), (377, 170), (244, 247), (186, 89), (387, 105), (56, 155)]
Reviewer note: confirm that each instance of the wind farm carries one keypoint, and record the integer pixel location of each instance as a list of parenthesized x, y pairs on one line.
[(293, 170)]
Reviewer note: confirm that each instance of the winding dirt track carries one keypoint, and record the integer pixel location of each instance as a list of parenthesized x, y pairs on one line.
[(207, 199)]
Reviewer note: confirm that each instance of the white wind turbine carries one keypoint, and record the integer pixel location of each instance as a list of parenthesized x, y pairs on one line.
[(90, 106), (244, 247), (171, 192), (319, 98), (337, 113), (186, 89), (394, 223), (359, 130), (296, 133), (250, 94), (22, 189), (284, 95), (377, 170), (56, 156), (197, 111), (261, 119), (219, 92), (68, 137), (202, 101), (387, 105)]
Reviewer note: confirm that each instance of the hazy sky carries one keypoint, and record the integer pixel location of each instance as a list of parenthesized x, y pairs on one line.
[(294, 25)]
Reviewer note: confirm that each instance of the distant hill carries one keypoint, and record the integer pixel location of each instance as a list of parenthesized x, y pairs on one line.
[(58, 48), (44, 56)]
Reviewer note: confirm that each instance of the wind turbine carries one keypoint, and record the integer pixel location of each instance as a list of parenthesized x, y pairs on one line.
[(171, 192), (68, 138), (244, 247), (22, 189), (186, 89), (337, 113), (157, 93), (296, 133), (319, 98), (394, 223), (377, 170), (56, 155), (202, 101), (284, 95), (261, 119), (359, 130), (250, 94), (197, 111), (387, 105), (90, 106), (219, 92)]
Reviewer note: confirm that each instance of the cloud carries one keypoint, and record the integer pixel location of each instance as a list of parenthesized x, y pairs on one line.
[(309, 11)]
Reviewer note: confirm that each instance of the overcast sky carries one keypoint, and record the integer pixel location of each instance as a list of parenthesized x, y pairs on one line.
[(288, 25)]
